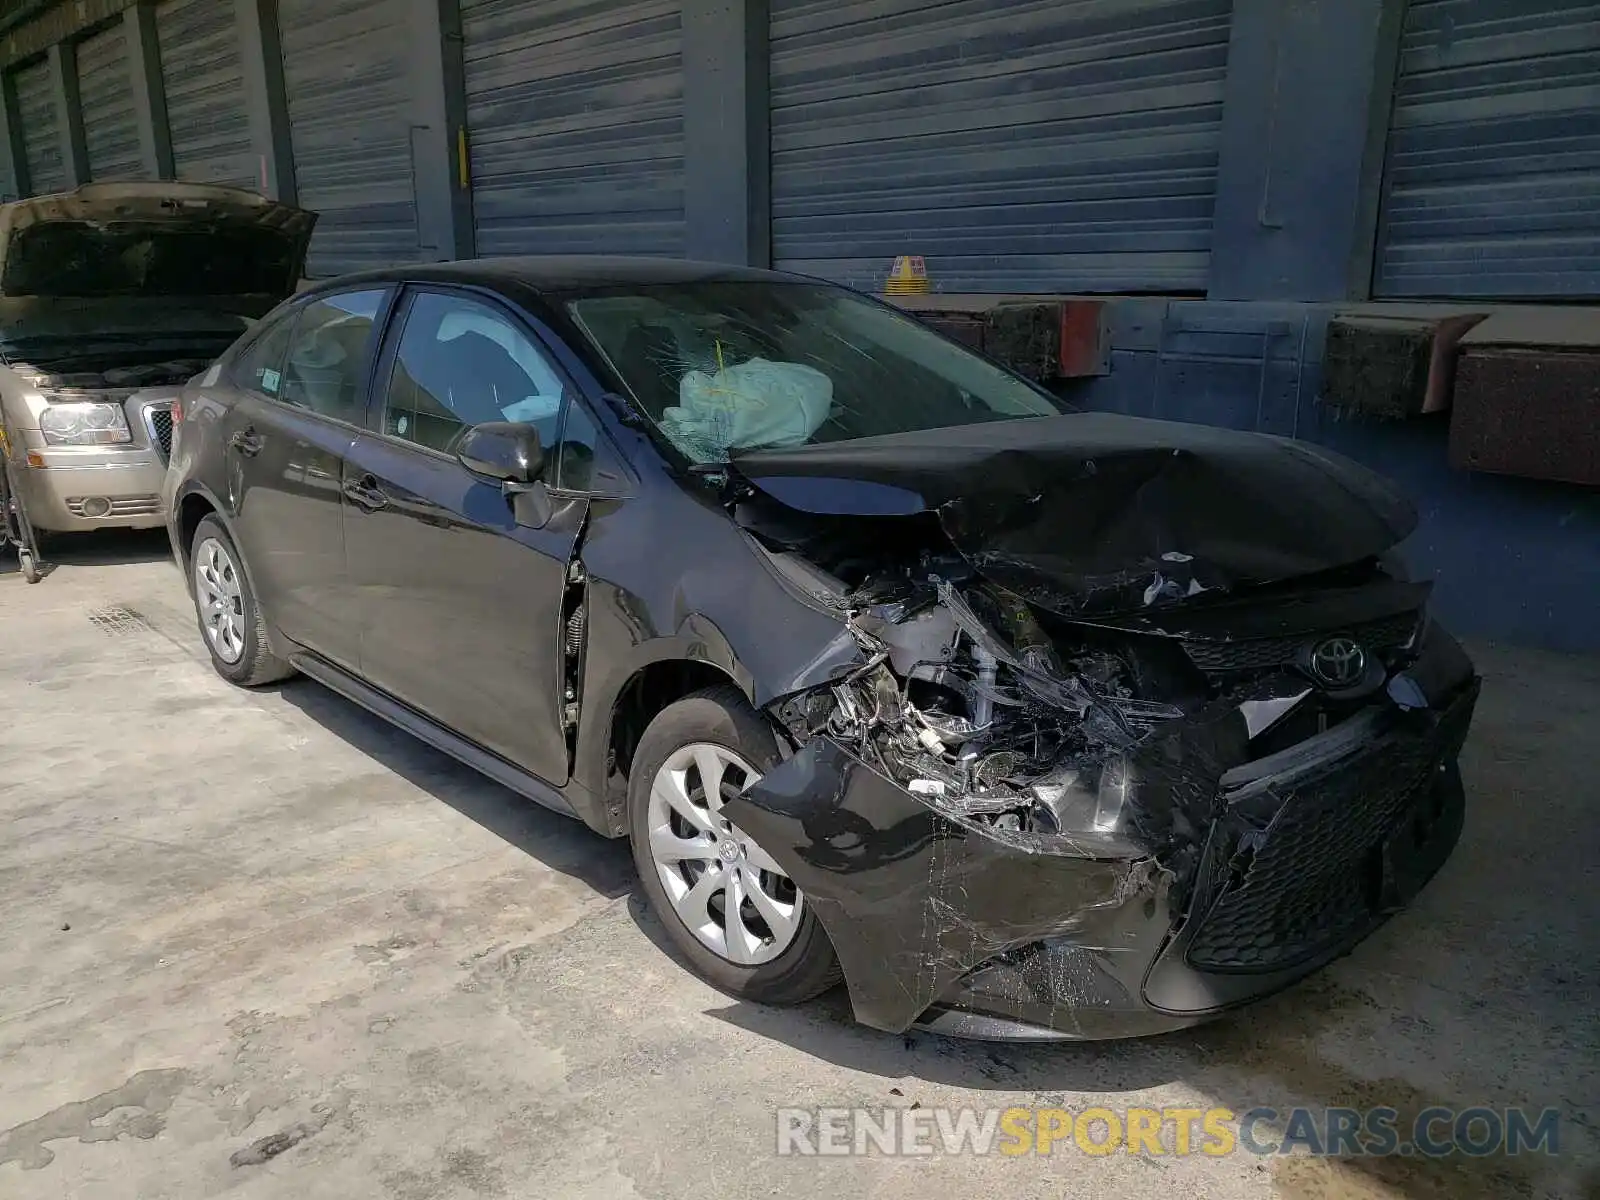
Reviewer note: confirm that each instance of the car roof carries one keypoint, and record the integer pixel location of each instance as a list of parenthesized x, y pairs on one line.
[(566, 273)]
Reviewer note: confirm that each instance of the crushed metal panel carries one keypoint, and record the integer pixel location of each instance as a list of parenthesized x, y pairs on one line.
[(41, 129), (347, 79), (1493, 180), (206, 113), (575, 126), (110, 120), (1096, 512), (1024, 146)]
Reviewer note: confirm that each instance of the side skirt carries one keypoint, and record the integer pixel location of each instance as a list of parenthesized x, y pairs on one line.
[(436, 735)]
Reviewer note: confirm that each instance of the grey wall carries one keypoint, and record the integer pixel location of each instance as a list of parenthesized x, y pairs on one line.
[(1302, 146), (1304, 124), (1512, 559)]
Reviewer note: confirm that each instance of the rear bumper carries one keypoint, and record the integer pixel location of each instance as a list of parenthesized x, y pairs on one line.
[(963, 930)]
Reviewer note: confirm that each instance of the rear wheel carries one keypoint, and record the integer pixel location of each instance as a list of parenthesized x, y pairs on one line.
[(724, 901), (231, 621)]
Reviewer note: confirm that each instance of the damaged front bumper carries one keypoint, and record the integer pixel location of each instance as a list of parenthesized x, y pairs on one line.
[(969, 929)]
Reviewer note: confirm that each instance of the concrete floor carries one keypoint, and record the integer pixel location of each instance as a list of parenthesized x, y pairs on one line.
[(231, 916)]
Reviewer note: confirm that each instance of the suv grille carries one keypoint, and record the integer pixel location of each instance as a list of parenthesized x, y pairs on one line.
[(159, 419), (1223, 659)]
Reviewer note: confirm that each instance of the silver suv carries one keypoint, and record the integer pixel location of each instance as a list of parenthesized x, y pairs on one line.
[(111, 296)]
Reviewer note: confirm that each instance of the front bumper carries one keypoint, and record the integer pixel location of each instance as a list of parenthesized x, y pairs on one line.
[(96, 488), (73, 489), (965, 930)]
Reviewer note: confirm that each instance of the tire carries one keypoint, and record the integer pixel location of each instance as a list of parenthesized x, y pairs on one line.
[(806, 965), (242, 655)]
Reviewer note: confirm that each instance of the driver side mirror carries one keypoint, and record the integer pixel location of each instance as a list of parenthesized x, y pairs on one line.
[(507, 451)]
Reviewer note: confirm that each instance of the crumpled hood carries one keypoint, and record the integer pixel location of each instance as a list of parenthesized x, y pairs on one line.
[(1094, 513), (153, 239)]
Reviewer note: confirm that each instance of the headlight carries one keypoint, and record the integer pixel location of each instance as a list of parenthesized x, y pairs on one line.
[(1071, 801), (84, 424)]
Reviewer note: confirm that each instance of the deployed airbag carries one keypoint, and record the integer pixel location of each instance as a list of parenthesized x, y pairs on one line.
[(754, 403)]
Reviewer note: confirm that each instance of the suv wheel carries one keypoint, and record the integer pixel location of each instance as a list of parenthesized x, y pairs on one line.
[(725, 903), (231, 623)]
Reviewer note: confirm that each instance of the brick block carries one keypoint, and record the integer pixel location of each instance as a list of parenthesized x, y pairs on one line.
[(1528, 411), (1392, 367)]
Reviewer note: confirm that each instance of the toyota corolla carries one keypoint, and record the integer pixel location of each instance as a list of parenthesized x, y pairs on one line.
[(1023, 721)]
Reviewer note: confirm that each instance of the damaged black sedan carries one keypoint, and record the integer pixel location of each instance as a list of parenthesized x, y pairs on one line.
[(1025, 722)]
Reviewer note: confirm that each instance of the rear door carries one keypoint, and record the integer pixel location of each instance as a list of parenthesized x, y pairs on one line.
[(460, 607), (302, 400)]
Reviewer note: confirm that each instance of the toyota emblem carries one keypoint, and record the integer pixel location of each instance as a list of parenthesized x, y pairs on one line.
[(1338, 662)]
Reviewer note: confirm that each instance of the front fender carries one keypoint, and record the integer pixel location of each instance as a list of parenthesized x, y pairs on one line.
[(912, 900)]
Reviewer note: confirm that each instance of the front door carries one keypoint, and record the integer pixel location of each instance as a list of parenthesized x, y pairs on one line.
[(460, 606), (301, 400)]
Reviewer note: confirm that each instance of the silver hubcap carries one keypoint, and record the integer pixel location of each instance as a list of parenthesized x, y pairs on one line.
[(220, 599), (724, 887)]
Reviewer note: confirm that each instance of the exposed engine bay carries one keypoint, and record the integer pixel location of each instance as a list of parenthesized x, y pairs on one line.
[(73, 376), (1083, 785), (964, 699)]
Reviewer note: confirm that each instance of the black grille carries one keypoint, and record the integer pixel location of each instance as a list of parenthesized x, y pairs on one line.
[(1312, 879), (161, 429), (1269, 654)]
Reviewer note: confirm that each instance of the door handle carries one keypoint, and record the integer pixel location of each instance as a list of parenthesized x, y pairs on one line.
[(365, 493), (247, 442)]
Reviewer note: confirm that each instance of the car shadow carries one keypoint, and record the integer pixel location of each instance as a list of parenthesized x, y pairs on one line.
[(559, 842), (1334, 1040), (103, 547)]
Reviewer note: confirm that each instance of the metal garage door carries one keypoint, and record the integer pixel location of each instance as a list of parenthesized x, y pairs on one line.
[(1018, 145), (345, 71), (1493, 180), (105, 92), (41, 130), (575, 113), (206, 111)]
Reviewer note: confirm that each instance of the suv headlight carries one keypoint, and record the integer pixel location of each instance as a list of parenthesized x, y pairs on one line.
[(82, 423)]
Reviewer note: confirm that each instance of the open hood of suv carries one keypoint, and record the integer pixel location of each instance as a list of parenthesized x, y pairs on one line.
[(1093, 513), (144, 240)]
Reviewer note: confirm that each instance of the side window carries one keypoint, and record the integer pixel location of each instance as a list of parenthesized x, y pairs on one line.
[(461, 363), (260, 367), (584, 460), (327, 355)]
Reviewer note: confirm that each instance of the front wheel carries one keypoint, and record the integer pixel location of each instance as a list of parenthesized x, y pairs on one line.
[(724, 901)]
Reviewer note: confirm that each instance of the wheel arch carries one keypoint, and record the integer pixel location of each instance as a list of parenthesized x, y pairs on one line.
[(189, 509), (193, 505), (668, 671)]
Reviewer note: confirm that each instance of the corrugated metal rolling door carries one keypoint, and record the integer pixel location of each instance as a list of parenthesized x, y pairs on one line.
[(41, 130), (575, 113), (206, 110), (1492, 186), (1023, 145), (345, 72), (105, 93)]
